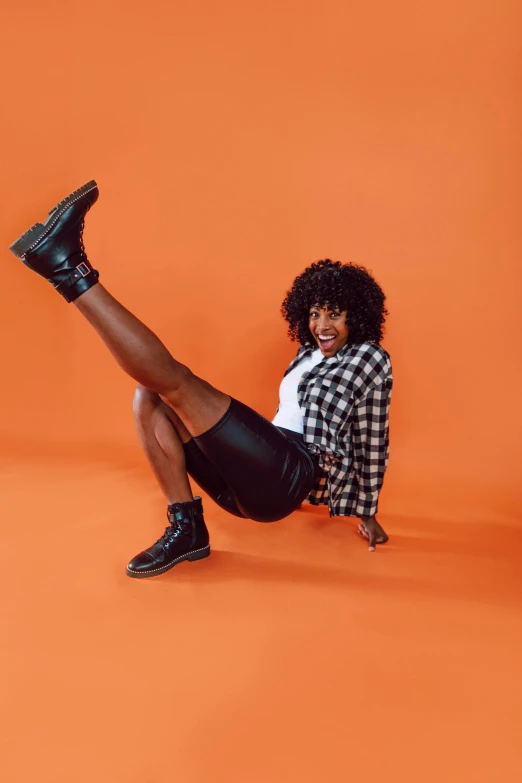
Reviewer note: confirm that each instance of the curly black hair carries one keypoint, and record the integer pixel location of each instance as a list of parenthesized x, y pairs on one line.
[(343, 286)]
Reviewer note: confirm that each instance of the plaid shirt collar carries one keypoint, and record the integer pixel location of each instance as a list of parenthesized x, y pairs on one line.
[(307, 350)]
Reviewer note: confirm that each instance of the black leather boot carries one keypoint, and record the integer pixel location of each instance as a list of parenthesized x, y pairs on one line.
[(55, 249), (186, 538)]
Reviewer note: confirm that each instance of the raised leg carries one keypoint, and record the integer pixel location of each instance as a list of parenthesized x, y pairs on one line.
[(144, 357), (55, 250)]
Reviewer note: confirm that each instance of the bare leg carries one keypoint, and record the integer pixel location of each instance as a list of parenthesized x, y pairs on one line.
[(162, 434), (144, 357), (55, 251)]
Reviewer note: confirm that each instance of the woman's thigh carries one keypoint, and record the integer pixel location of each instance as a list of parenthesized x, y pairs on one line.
[(198, 404), (268, 475), (206, 476)]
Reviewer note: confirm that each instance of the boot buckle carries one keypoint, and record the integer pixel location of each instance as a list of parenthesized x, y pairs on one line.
[(83, 269)]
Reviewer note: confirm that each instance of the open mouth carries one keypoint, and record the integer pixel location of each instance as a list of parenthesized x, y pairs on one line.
[(326, 341)]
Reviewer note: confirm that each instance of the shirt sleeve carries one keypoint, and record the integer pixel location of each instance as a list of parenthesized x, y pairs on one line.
[(370, 442)]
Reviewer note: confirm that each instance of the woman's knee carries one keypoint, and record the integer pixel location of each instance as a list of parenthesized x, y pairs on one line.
[(152, 413), (145, 402)]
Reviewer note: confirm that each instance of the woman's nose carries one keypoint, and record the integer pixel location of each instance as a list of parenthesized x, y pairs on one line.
[(324, 322)]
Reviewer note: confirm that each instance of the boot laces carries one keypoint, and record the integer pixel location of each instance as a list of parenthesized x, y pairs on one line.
[(172, 532), (82, 246)]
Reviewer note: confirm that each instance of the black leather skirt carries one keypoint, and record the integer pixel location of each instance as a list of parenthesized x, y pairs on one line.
[(250, 467)]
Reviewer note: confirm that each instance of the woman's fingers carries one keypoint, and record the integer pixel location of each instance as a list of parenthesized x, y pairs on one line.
[(373, 536), (372, 539)]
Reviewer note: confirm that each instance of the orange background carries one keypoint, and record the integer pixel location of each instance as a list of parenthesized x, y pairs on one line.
[(234, 143)]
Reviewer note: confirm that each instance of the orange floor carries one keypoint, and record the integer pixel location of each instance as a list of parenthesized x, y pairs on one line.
[(292, 654)]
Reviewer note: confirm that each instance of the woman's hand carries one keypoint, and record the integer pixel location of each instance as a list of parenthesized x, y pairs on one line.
[(370, 529)]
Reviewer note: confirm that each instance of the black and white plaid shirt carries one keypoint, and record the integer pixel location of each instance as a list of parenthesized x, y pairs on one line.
[(345, 400)]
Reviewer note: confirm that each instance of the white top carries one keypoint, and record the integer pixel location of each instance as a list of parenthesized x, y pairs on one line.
[(289, 414)]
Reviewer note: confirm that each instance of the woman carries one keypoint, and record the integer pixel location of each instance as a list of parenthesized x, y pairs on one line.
[(328, 442)]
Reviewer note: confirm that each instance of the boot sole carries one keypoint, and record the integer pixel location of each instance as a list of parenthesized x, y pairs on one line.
[(197, 554), (36, 233)]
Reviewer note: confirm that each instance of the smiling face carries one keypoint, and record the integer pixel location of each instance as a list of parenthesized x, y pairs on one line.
[(329, 328)]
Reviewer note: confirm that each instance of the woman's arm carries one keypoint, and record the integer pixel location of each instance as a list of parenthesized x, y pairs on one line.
[(370, 440)]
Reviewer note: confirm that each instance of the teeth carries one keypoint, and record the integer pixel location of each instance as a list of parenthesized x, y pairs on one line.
[(329, 337)]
